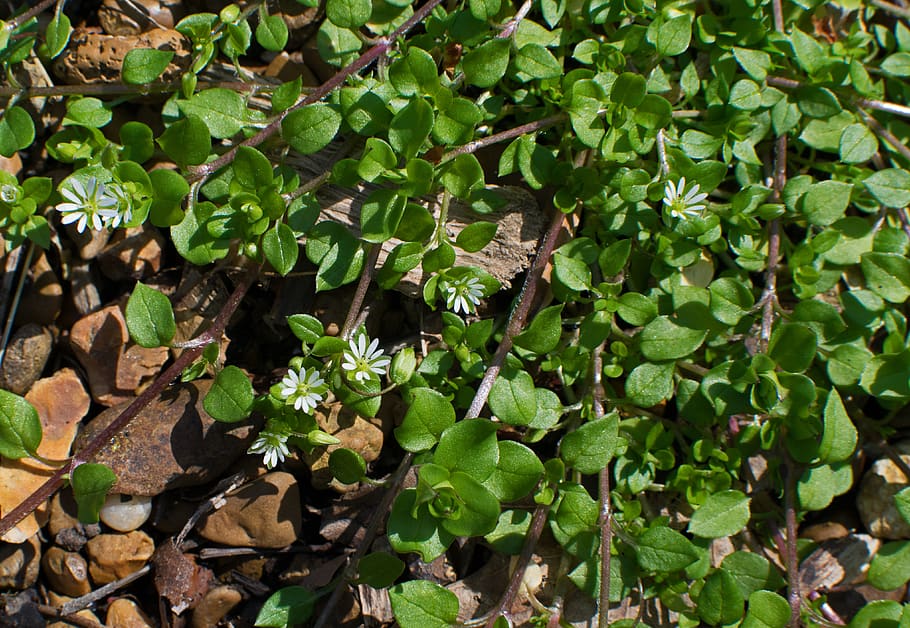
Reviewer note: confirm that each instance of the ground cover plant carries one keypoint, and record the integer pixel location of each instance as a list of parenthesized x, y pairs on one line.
[(707, 346)]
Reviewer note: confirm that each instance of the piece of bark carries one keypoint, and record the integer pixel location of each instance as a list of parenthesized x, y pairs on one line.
[(178, 578), (97, 58)]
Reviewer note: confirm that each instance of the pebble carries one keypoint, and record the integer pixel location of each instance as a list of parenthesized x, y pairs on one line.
[(126, 513), (115, 556), (26, 356), (19, 564), (125, 613), (172, 443), (43, 295), (214, 606), (361, 435), (57, 600), (136, 256), (875, 500), (264, 513), (65, 572)]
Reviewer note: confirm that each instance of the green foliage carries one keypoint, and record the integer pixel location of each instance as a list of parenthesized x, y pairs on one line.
[(149, 317), (20, 427), (91, 484), (144, 65)]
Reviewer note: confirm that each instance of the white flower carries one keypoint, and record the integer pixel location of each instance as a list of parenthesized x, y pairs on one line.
[(300, 388), (88, 204), (684, 204), (463, 294), (273, 445), (124, 205), (9, 193), (363, 361)]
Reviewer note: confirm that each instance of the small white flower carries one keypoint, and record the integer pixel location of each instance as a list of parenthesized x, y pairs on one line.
[(123, 205), (463, 294), (9, 193), (684, 204), (273, 445), (300, 389), (88, 204), (363, 361)]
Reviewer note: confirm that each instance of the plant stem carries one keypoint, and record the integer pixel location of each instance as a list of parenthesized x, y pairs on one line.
[(119, 89), (508, 134), (18, 21), (885, 134), (791, 558), (891, 8), (880, 105), (213, 334), (360, 295)]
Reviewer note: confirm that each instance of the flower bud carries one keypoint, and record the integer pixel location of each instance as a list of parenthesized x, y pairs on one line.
[(403, 366), (229, 14), (317, 438)]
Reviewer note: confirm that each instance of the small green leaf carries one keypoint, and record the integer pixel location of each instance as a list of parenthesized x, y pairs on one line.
[(348, 13), (337, 252), (663, 550), (890, 566), (252, 169), (512, 398), (745, 95), (410, 127), (425, 421), (288, 606), (306, 328), (311, 128), (91, 483), (590, 448), (839, 437), (902, 503), (887, 275), (517, 472), (413, 529), (285, 95), (423, 604), (144, 65), (664, 339), (469, 446), (857, 144), (56, 36), (381, 214), (347, 466), (379, 570), (756, 63), (230, 399), (280, 248), (479, 508), (890, 187), (17, 131), (20, 427), (672, 37), (544, 332), (537, 62), (187, 141), (723, 514), (476, 236), (809, 53), (767, 610), (650, 383), (720, 600), (486, 65), (272, 32), (414, 73), (150, 317), (221, 109), (793, 346), (826, 202), (897, 64), (462, 176)]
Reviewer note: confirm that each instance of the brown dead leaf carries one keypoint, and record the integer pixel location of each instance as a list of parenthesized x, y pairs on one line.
[(178, 578), (61, 402)]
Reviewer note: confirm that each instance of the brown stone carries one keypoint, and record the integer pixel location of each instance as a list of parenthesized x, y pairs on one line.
[(43, 295), (131, 17), (264, 513), (61, 402), (172, 443), (26, 355), (12, 164), (65, 572), (125, 613), (57, 600), (89, 243), (875, 500), (115, 556), (135, 256), (214, 606), (19, 563), (361, 435)]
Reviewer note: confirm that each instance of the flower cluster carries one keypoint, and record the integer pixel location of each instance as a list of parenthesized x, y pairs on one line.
[(95, 205), (363, 362), (463, 294), (682, 204)]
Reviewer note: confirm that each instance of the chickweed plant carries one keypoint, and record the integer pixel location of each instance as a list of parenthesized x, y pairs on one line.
[(730, 300)]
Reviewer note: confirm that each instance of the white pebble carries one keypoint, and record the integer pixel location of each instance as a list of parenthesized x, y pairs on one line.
[(126, 513)]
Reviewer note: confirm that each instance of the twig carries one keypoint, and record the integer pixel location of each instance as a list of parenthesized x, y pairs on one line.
[(512, 25), (212, 503), (76, 605), (213, 334), (891, 8), (508, 134), (879, 105), (791, 559), (120, 89), (517, 318), (18, 21), (20, 286), (662, 153), (606, 519), (76, 620), (337, 80), (885, 134), (527, 550), (360, 295)]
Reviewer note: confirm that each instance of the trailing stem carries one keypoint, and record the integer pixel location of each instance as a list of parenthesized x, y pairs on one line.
[(603, 481)]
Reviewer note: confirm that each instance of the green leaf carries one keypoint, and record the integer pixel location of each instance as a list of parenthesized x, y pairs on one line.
[(306, 328), (512, 399), (857, 144), (793, 346), (476, 236), (17, 131), (230, 399), (890, 187), (486, 65), (414, 73), (350, 14), (288, 606), (537, 62), (573, 273), (56, 36), (809, 53), (347, 466), (629, 89), (456, 123), (885, 376), (469, 446), (650, 383), (337, 252), (381, 214), (590, 448), (897, 64), (745, 95), (662, 549), (285, 95), (819, 485), (280, 247), (484, 10), (723, 514), (462, 176), (423, 604), (410, 127), (20, 427), (839, 437), (544, 332), (252, 169), (664, 339), (91, 483), (479, 509), (311, 128), (221, 109), (88, 112), (902, 503), (411, 528), (887, 275), (755, 63), (510, 532), (879, 614), (187, 141), (720, 600), (890, 566), (767, 610), (427, 418), (379, 570), (150, 317), (272, 32), (517, 472), (671, 37), (751, 571), (192, 240), (144, 65), (826, 202)]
